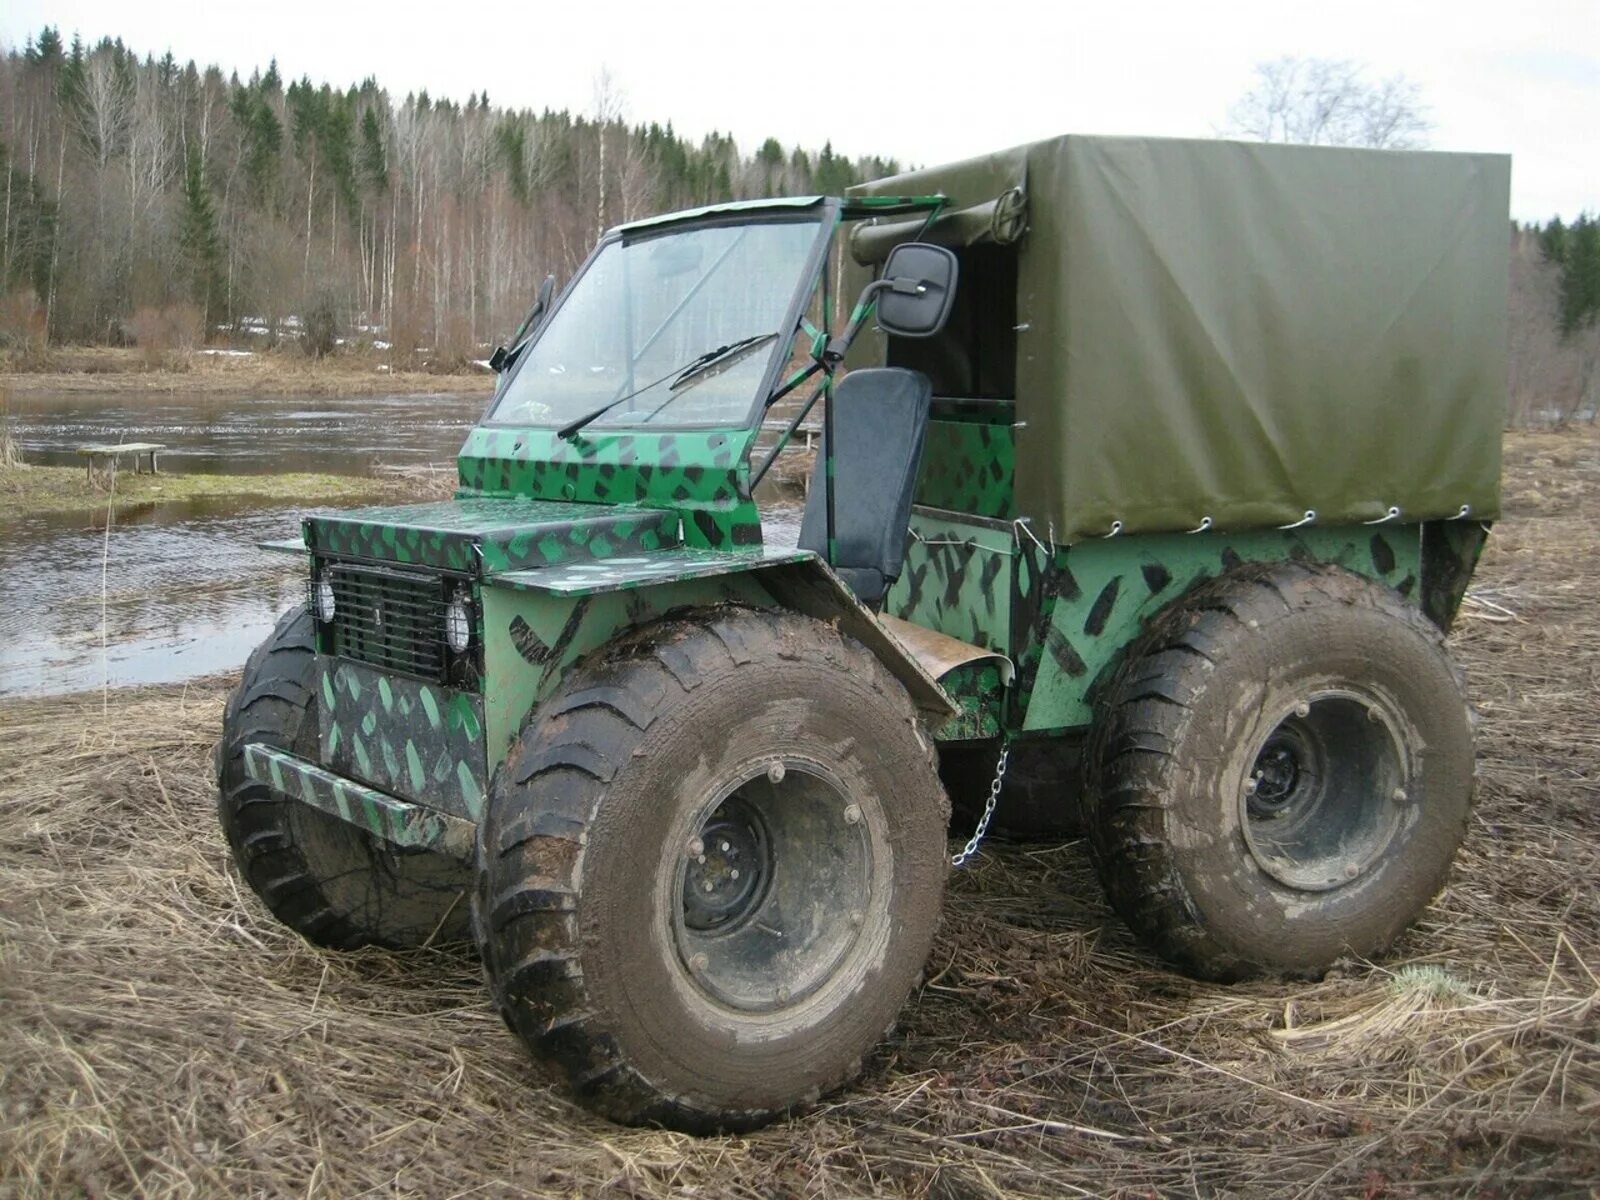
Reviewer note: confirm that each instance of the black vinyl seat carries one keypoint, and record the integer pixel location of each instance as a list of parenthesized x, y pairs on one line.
[(880, 418)]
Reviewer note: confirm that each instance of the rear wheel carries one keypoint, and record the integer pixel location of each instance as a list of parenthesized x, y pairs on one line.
[(329, 881), (1281, 773), (711, 869)]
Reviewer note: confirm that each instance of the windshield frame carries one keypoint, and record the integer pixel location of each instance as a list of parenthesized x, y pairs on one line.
[(824, 213)]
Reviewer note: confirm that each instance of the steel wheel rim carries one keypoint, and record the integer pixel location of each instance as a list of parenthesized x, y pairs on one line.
[(1325, 794), (768, 940)]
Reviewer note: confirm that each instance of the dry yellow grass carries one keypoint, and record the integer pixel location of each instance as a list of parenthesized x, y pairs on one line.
[(163, 1037), (286, 370)]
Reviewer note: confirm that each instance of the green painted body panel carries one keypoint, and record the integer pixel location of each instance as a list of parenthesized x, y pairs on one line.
[(977, 687), (476, 536), (969, 467), (1450, 553), (386, 817), (530, 639), (1099, 594), (700, 473), (957, 579), (418, 740), (647, 570)]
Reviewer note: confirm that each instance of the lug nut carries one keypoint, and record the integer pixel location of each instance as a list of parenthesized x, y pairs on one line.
[(1374, 713), (709, 886), (697, 849), (699, 962), (733, 874), (852, 814), (1351, 870), (857, 917), (775, 773), (783, 995), (724, 847), (1399, 796), (1250, 786), (1302, 709)]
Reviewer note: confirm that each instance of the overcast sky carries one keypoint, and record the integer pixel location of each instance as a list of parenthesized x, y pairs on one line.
[(923, 82)]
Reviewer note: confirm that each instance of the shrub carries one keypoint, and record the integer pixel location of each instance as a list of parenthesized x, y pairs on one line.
[(10, 452), (168, 335), (320, 333), (23, 327)]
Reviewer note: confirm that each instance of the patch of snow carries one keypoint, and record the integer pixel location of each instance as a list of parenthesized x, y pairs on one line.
[(380, 345), (383, 366), (230, 353)]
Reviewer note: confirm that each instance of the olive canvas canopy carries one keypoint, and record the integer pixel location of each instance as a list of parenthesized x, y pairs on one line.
[(1237, 331)]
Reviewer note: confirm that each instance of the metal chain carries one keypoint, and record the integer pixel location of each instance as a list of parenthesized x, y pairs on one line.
[(973, 842)]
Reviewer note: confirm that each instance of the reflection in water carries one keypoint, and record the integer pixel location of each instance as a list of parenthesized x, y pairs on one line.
[(186, 591), (182, 599), (244, 435)]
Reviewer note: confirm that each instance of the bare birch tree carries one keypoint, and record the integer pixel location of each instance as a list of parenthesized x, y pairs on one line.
[(1329, 102)]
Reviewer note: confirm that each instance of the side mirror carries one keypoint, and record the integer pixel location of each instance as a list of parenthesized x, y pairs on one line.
[(921, 290), (914, 297)]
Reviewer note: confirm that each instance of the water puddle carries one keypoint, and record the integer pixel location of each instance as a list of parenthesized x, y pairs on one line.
[(241, 435), (178, 590)]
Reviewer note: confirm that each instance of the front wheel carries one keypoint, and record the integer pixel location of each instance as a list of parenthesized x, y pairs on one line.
[(1281, 773), (711, 869), (330, 882)]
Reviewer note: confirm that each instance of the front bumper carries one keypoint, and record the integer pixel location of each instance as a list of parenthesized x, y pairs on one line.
[(400, 822)]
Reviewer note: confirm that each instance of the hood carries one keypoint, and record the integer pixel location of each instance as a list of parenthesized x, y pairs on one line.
[(482, 537)]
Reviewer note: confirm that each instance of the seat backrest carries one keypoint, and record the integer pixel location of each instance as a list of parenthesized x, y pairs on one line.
[(880, 418)]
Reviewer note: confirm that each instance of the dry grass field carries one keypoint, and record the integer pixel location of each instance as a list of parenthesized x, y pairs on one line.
[(161, 1036), (99, 370)]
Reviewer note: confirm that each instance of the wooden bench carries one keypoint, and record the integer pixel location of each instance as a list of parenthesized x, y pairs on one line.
[(108, 455)]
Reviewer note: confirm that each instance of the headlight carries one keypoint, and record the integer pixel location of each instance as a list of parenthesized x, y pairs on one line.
[(458, 624), (324, 595)]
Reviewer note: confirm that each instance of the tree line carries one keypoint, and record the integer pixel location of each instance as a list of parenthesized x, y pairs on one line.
[(1555, 321), (132, 182)]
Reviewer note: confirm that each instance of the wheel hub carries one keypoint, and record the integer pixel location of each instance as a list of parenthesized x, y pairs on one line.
[(1276, 775), (1325, 792), (728, 869), (773, 887)]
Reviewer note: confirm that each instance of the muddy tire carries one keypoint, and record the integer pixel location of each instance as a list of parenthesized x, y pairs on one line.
[(620, 936), (1280, 775), (332, 883)]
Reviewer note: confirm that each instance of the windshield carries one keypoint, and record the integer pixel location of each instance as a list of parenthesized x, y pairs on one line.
[(644, 312)]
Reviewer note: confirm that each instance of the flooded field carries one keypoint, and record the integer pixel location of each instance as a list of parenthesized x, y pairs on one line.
[(177, 590), (252, 434)]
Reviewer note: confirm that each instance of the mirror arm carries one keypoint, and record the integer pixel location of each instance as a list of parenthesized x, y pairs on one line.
[(838, 347), (783, 439)]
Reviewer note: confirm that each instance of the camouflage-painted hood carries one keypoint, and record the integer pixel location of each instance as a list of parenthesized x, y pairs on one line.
[(482, 537)]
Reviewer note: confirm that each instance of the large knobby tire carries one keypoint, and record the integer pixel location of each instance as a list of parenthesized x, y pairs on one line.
[(620, 936), (331, 882), (1281, 773)]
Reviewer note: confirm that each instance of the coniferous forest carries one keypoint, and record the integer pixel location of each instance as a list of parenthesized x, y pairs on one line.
[(137, 185), (132, 182)]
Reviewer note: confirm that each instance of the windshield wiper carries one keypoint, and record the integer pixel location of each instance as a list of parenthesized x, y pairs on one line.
[(681, 377), (722, 356)]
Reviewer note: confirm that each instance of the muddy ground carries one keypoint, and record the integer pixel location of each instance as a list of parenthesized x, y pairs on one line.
[(163, 1037)]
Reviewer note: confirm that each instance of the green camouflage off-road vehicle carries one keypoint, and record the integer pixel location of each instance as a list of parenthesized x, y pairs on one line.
[(1163, 464)]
